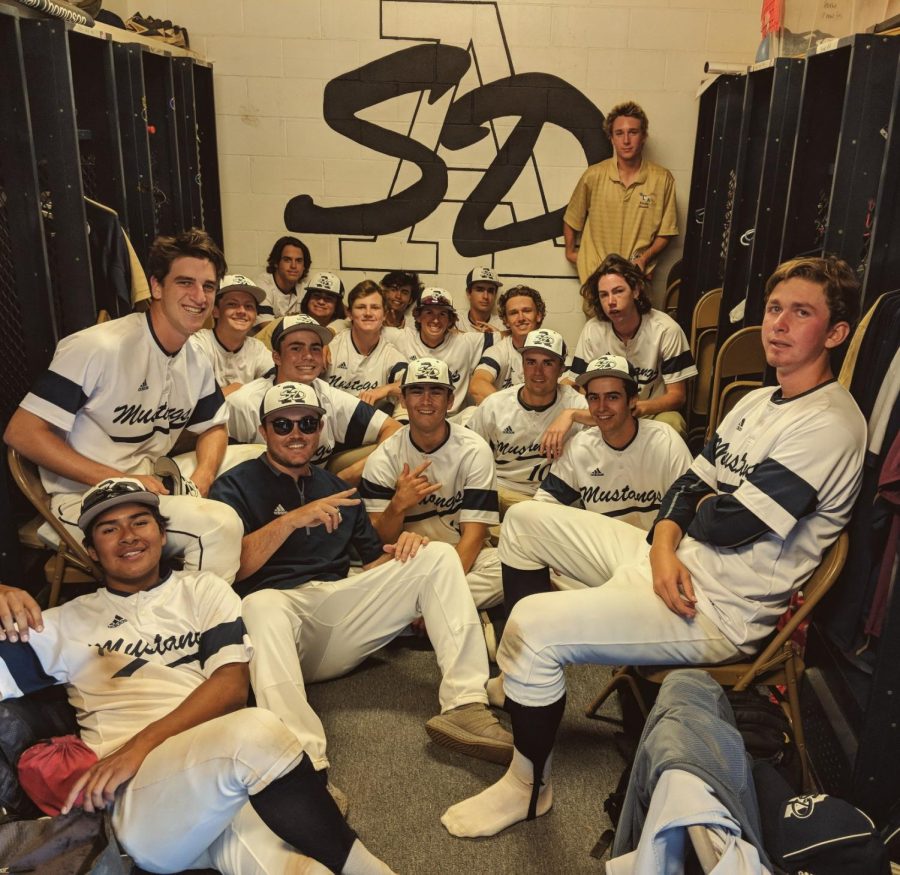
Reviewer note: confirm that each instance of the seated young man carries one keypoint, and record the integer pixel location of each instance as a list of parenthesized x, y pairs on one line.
[(285, 279), (309, 621), (298, 344), (236, 358), (735, 536), (117, 396), (402, 289), (514, 421), (155, 664), (482, 285)]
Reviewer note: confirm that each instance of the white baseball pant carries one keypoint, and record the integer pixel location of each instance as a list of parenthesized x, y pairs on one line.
[(485, 579), (617, 619), (323, 629), (187, 807)]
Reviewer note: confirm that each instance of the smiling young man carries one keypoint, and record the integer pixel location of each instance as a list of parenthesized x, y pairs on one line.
[(117, 396), (155, 664), (236, 357), (402, 289), (284, 281), (482, 285), (309, 621), (736, 535), (624, 204)]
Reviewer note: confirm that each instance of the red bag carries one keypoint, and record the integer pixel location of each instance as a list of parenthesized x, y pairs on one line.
[(49, 769)]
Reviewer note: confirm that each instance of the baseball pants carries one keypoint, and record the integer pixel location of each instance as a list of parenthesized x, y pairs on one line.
[(617, 619), (485, 579), (187, 807), (323, 629), (510, 497)]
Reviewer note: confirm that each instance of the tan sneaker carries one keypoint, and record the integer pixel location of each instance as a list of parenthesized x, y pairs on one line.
[(472, 729)]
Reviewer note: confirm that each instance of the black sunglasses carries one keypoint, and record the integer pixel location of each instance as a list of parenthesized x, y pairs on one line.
[(306, 424)]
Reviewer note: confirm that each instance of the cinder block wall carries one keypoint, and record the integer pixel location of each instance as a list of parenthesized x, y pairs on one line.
[(274, 58)]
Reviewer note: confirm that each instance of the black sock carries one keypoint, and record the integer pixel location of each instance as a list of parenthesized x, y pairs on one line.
[(534, 731), (299, 810), (520, 582)]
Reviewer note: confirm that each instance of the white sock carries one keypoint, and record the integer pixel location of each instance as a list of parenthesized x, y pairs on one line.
[(496, 695), (502, 804), (361, 861)]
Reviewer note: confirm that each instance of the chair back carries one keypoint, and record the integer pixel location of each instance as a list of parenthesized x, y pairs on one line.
[(706, 315), (704, 357), (741, 355), (670, 302), (676, 272)]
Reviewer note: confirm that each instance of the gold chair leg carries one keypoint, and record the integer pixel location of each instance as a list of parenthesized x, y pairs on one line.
[(624, 674), (793, 691)]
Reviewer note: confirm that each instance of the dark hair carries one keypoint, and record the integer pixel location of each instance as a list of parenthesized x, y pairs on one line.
[(629, 271), (161, 521), (630, 109), (278, 248), (631, 388), (193, 243), (838, 280), (522, 292), (362, 289), (339, 311), (404, 278), (454, 317)]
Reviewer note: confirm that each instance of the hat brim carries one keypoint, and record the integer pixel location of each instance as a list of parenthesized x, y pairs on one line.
[(325, 333), (86, 520), (255, 292), (560, 356), (586, 377), (312, 407)]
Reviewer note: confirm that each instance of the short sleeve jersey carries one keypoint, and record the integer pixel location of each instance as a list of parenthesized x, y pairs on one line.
[(613, 217), (659, 350), (259, 493), (513, 431), (354, 372), (627, 484), (504, 364), (251, 361), (796, 464), (276, 303), (129, 660), (464, 467), (121, 399), (461, 352), (348, 423)]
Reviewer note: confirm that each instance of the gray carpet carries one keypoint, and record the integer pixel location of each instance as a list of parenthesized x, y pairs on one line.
[(399, 782)]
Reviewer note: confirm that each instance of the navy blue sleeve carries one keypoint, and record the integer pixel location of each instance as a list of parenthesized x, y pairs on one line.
[(207, 407), (561, 491), (480, 499), (223, 635), (25, 667), (355, 435), (59, 391), (679, 504), (365, 538), (677, 363), (370, 489)]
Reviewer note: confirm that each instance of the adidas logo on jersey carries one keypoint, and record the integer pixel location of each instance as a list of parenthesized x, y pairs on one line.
[(279, 510), (143, 387), (508, 430), (116, 622), (741, 424), (596, 473), (342, 365)]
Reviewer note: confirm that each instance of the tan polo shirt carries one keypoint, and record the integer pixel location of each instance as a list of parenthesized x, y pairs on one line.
[(613, 218)]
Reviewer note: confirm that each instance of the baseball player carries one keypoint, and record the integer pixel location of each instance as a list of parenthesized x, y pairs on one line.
[(625, 324), (156, 668), (623, 467), (284, 281), (482, 285), (402, 289), (236, 357), (522, 310), (117, 396), (513, 421), (437, 478), (324, 301), (435, 336), (735, 536), (309, 620), (361, 361), (298, 350)]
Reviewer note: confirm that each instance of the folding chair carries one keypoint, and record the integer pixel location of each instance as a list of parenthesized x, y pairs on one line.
[(740, 355), (704, 334), (670, 302), (779, 663), (70, 562)]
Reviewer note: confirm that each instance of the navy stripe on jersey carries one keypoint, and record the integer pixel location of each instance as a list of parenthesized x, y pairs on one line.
[(356, 428), (784, 487), (264, 310), (481, 499), (579, 365), (223, 635), (679, 504), (428, 514), (207, 407), (725, 522), (25, 667), (677, 363), (488, 340), (128, 670), (60, 391), (561, 491), (637, 508), (397, 372), (489, 362), (368, 489)]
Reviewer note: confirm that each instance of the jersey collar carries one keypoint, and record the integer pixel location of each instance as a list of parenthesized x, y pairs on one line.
[(231, 351), (539, 409), (162, 349), (778, 399), (165, 574), (438, 447)]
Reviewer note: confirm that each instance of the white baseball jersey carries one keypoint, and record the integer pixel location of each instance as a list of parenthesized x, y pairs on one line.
[(121, 399), (129, 660), (461, 352), (348, 422), (466, 327), (627, 484), (795, 466), (354, 372), (252, 360), (513, 430), (464, 467), (504, 364), (659, 350), (276, 303)]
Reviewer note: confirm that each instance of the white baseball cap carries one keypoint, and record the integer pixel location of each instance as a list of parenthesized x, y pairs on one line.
[(427, 371), (108, 493), (237, 282), (288, 395), (434, 297), (482, 275), (300, 322), (609, 366), (546, 340), (325, 282)]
